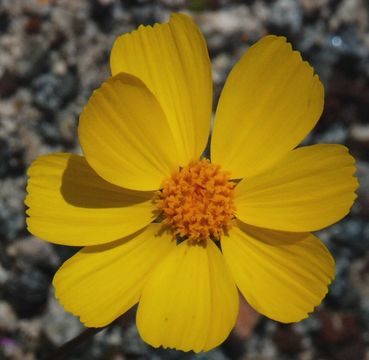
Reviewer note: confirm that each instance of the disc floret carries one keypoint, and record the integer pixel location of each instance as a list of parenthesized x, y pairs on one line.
[(197, 201)]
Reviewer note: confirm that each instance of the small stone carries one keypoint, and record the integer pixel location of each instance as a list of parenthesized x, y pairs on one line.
[(354, 350), (60, 68), (33, 24), (8, 318), (12, 164), (49, 131), (313, 5), (336, 134), (287, 339), (351, 234), (31, 329), (359, 133), (60, 326), (12, 216), (4, 275), (33, 62), (68, 128), (28, 292), (102, 13), (286, 16), (11, 349), (4, 21), (132, 343), (338, 327), (8, 83), (51, 92), (33, 251)]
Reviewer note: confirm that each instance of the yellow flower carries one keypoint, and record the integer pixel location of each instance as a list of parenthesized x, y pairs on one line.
[(241, 221)]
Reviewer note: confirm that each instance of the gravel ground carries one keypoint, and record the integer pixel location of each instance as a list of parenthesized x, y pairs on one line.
[(54, 53)]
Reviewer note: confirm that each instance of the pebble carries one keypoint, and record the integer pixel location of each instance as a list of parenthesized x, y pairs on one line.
[(359, 133), (28, 292), (8, 84), (102, 13), (338, 327), (33, 251), (336, 134), (4, 275), (8, 318), (288, 340), (352, 234), (51, 92), (4, 20), (12, 216), (33, 62), (11, 158), (286, 17), (58, 325), (132, 343), (31, 329)]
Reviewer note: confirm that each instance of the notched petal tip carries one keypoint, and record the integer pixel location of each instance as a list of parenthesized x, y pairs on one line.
[(311, 188), (172, 60), (282, 279)]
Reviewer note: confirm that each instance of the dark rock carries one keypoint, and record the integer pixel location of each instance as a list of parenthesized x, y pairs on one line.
[(132, 343), (8, 84), (342, 295), (34, 61), (286, 18), (4, 21), (354, 350), (51, 92), (338, 327), (351, 234), (12, 216), (28, 291), (287, 339), (102, 12), (135, 3), (11, 160), (8, 319), (334, 134), (33, 25), (59, 326), (32, 251), (49, 131), (145, 14)]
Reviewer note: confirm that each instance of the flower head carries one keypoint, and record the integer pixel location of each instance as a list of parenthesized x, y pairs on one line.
[(177, 233)]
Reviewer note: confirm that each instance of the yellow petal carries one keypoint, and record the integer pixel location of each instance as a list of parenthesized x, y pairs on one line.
[(282, 275), (101, 282), (70, 204), (270, 101), (190, 302), (311, 188), (173, 61), (125, 136)]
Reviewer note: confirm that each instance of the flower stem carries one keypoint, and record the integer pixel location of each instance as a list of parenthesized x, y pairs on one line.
[(63, 351)]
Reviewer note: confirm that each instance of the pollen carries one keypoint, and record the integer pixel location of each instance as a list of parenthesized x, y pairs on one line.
[(197, 202)]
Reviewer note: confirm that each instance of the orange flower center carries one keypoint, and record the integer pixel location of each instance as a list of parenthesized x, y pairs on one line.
[(197, 202)]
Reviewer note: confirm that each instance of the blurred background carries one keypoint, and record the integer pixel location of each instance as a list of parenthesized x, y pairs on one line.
[(54, 53)]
